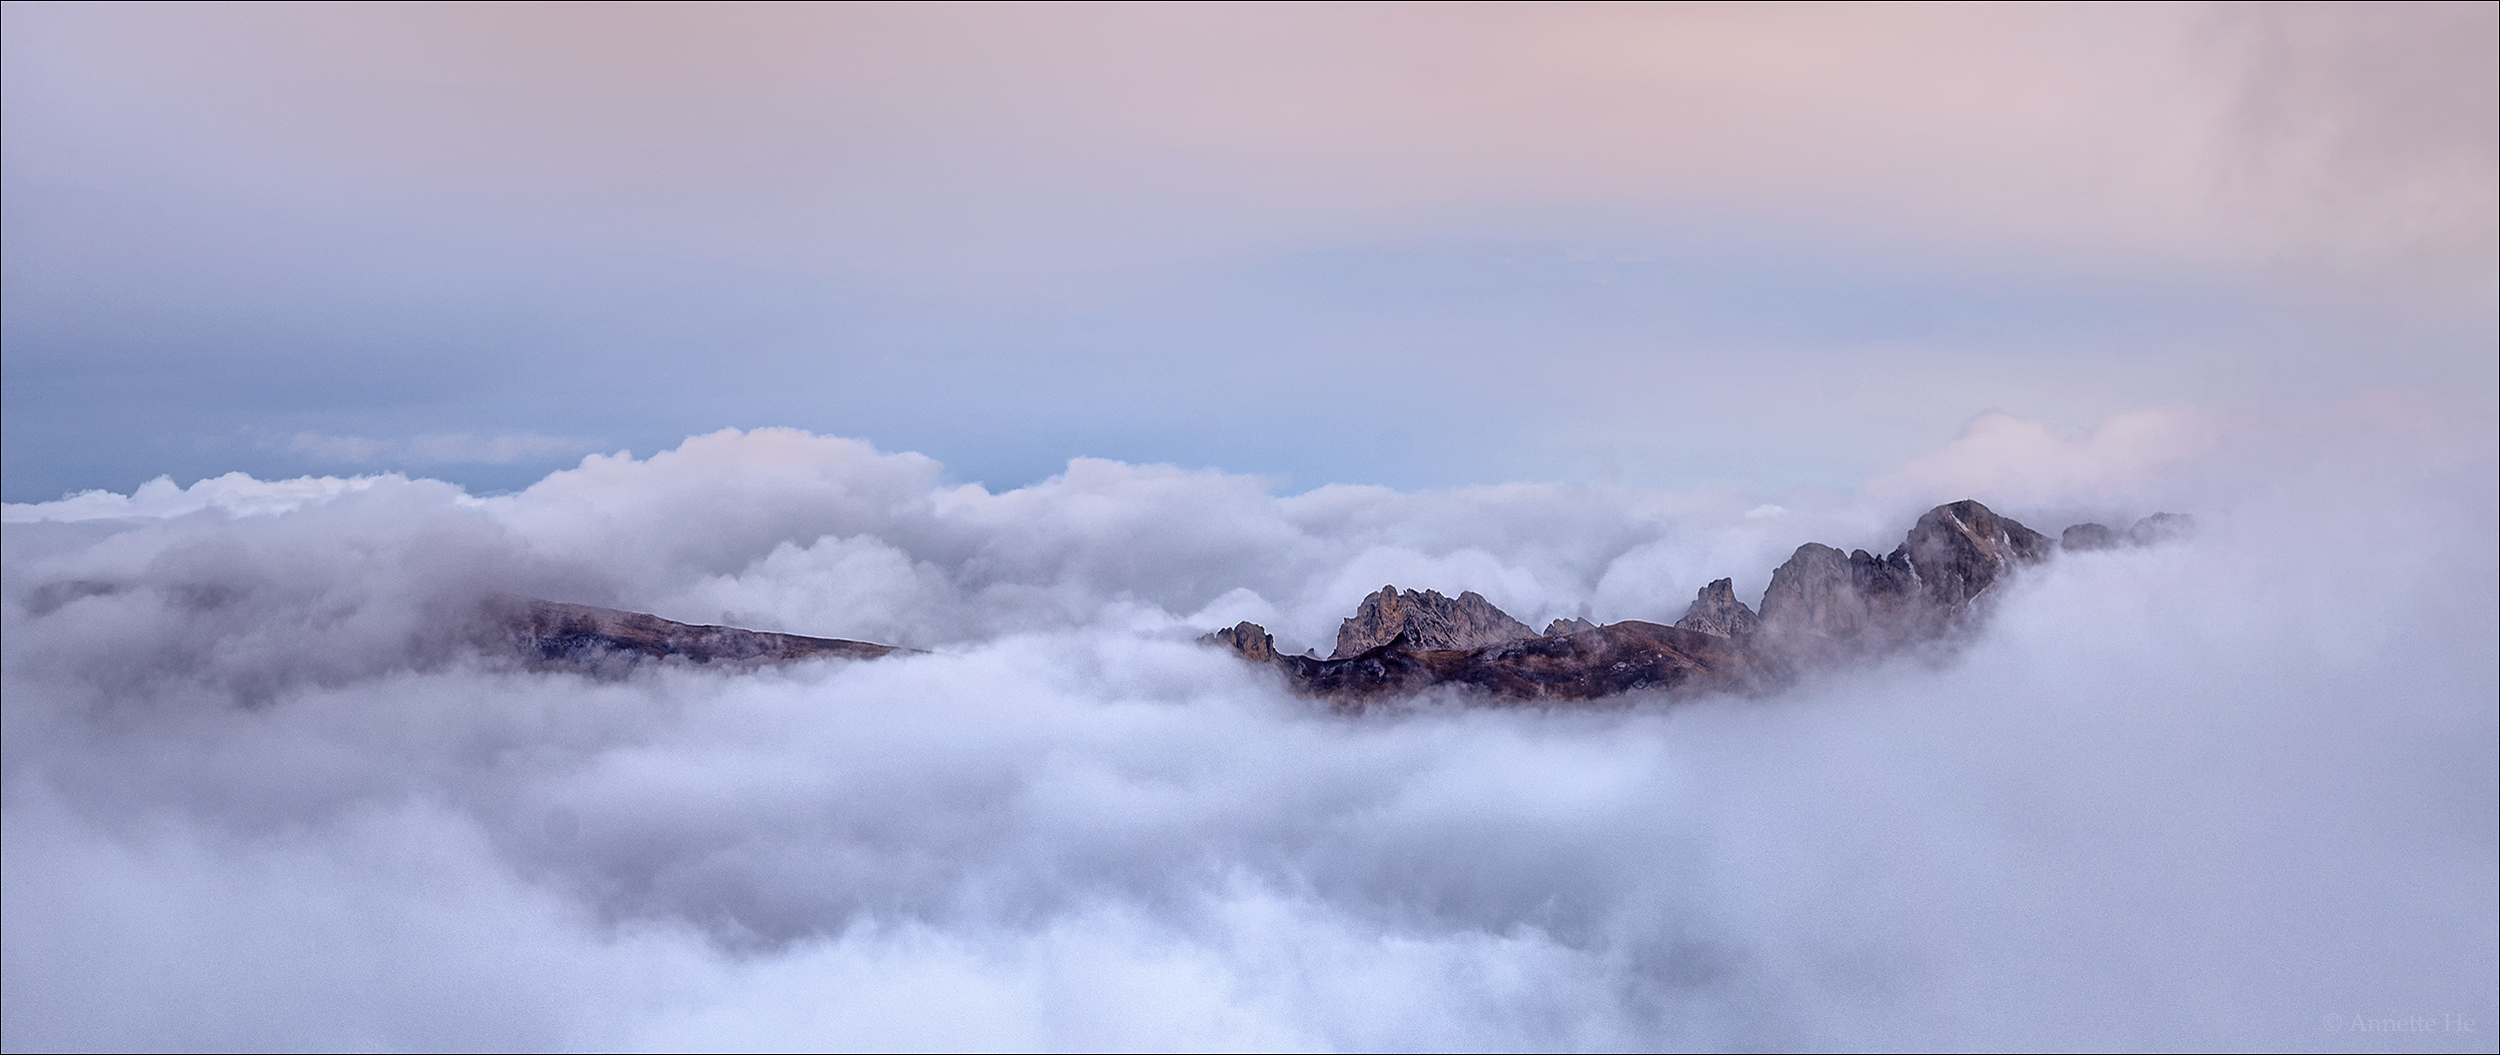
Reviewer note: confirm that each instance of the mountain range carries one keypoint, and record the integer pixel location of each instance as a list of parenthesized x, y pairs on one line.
[(1822, 608)]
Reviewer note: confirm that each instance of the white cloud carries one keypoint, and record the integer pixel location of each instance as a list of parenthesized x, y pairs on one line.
[(2197, 796), (234, 493), (2021, 463)]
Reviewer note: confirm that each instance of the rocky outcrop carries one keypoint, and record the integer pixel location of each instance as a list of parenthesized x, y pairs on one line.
[(2161, 527), (2084, 537), (1822, 607), (1604, 661), (1824, 604), (2150, 531), (1248, 638), (1717, 611), (1583, 665), (606, 640), (1957, 551), (1428, 621)]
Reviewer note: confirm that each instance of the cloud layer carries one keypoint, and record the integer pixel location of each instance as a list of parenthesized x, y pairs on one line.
[(2202, 796)]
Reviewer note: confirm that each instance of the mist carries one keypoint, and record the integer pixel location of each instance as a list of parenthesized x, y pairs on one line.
[(2235, 792)]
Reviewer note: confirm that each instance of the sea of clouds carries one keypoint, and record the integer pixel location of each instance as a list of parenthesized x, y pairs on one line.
[(2237, 792)]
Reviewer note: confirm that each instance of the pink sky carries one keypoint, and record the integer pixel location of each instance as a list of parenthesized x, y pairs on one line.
[(1133, 163)]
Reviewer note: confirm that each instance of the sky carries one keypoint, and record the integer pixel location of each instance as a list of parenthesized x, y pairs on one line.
[(1044, 340), (1409, 246)]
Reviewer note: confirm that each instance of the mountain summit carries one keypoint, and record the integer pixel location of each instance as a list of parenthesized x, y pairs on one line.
[(1427, 620)]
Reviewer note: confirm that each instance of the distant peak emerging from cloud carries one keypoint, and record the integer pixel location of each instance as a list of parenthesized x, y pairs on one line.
[(1823, 608)]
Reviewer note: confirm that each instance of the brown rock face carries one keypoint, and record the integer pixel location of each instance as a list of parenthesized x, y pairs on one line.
[(607, 640), (1823, 603), (1559, 627), (1585, 665), (1427, 620), (1250, 639), (1823, 606), (1603, 661), (1962, 548), (1717, 611)]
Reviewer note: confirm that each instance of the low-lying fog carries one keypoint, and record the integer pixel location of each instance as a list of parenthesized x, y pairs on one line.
[(2237, 792)]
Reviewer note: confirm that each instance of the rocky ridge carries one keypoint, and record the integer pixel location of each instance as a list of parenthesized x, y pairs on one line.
[(1714, 611), (1822, 607), (606, 640)]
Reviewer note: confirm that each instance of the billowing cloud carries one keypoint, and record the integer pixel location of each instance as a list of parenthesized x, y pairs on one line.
[(159, 498), (2026, 463), (2220, 794)]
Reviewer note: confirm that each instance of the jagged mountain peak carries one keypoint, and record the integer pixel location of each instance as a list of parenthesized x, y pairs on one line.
[(1960, 548), (1821, 602), (1248, 638), (1715, 610), (1429, 621)]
